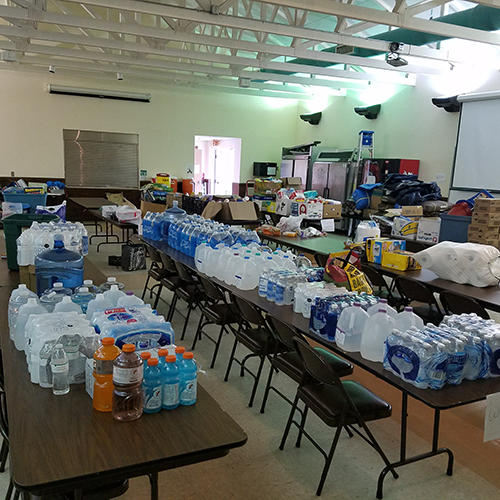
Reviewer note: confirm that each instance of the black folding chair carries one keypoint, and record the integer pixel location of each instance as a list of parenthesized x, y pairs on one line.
[(215, 311), (413, 291), (287, 360), (255, 335), (321, 259), (340, 404), (156, 271), (380, 287), (457, 303)]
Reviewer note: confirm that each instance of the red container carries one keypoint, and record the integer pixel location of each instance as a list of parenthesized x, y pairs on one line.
[(187, 186), (173, 183)]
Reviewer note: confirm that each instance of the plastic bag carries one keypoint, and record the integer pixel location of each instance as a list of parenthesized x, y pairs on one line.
[(59, 210), (290, 224), (9, 208), (366, 230), (464, 263)]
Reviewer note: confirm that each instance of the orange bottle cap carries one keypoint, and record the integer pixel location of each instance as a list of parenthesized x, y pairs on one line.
[(179, 349), (145, 355), (152, 361), (188, 355), (171, 358), (108, 341), (128, 348), (163, 352)]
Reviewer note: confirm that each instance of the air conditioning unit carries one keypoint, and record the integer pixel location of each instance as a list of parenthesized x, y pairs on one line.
[(98, 93), (344, 49)]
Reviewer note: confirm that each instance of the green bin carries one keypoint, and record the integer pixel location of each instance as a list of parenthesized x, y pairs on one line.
[(13, 227)]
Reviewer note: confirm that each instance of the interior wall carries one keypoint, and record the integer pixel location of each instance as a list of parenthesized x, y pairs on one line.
[(31, 129)]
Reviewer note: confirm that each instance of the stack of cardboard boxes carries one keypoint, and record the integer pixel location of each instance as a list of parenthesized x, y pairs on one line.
[(485, 225)]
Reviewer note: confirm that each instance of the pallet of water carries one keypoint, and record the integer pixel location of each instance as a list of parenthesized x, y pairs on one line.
[(462, 347)]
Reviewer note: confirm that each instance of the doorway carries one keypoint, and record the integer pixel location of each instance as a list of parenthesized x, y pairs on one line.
[(217, 162)]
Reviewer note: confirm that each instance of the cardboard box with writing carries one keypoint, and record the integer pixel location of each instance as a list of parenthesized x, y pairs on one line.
[(292, 182), (405, 226), (283, 206), (412, 211), (267, 186), (480, 232), (147, 206), (487, 205), (486, 219), (400, 260), (332, 211), (428, 229), (312, 210), (376, 247), (481, 241)]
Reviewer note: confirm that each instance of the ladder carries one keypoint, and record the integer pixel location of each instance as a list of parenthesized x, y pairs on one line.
[(366, 143)]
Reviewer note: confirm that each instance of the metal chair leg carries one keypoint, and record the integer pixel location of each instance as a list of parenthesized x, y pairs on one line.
[(10, 490), (191, 306), (328, 461), (289, 423), (198, 333), (145, 288), (302, 425), (171, 310), (4, 453), (158, 293), (231, 358), (217, 345), (257, 378), (268, 388)]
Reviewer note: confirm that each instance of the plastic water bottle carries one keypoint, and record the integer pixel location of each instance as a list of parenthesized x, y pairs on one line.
[(350, 326), (82, 297), (406, 319), (100, 302), (129, 299), (303, 261), (127, 381), (85, 238), (375, 334), (145, 355), (109, 283), (53, 295), (103, 374), (67, 305), (170, 383), (382, 304), (58, 265), (60, 371), (152, 387), (179, 354), (90, 286), (268, 266), (113, 294), (187, 380), (287, 262), (31, 307)]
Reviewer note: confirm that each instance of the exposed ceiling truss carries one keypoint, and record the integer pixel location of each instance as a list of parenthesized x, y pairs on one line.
[(278, 47)]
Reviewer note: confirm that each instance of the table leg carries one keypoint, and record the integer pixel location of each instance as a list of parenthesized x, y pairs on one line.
[(153, 481), (405, 461)]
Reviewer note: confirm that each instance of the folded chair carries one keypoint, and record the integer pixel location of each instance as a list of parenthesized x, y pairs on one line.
[(287, 360), (340, 404)]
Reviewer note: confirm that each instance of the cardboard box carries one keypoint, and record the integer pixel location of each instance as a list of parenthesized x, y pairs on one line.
[(481, 241), (487, 205), (312, 210), (267, 187), (332, 211), (368, 212), (292, 182), (283, 206), (480, 232), (163, 179), (486, 219), (147, 206), (412, 211), (376, 198), (171, 197), (233, 210), (376, 247), (405, 226), (401, 260), (428, 229)]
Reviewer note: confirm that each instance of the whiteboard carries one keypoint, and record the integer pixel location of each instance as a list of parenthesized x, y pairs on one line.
[(477, 157)]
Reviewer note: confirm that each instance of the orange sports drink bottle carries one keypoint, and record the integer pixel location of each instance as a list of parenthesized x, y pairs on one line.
[(103, 374)]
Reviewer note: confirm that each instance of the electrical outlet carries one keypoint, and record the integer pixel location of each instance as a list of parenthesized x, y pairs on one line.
[(12, 174)]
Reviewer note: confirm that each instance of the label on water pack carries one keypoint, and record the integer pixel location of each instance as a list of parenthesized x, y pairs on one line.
[(171, 394), (124, 376), (152, 397)]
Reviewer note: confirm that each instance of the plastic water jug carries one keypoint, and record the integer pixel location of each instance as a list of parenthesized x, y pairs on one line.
[(374, 335), (129, 299), (113, 294), (31, 307), (67, 305), (382, 304), (246, 278), (18, 298), (406, 319), (99, 303), (232, 264), (58, 265), (350, 327)]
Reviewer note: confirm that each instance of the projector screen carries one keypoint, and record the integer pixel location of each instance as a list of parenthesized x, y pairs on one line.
[(477, 156)]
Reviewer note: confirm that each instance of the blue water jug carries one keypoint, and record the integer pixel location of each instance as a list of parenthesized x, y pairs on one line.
[(58, 265)]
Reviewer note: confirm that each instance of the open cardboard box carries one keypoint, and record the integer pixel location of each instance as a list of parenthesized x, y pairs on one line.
[(147, 206), (233, 210)]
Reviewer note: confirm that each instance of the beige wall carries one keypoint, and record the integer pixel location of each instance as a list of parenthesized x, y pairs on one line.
[(408, 126)]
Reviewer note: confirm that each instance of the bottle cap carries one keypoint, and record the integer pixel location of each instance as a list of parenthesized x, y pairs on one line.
[(383, 301), (357, 304), (84, 289), (66, 299), (59, 346), (145, 355), (111, 279), (114, 288), (57, 285), (88, 282), (129, 293), (100, 296), (188, 355), (163, 352), (382, 311), (171, 358), (409, 309), (152, 361), (128, 348), (108, 341), (180, 349), (247, 258)]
